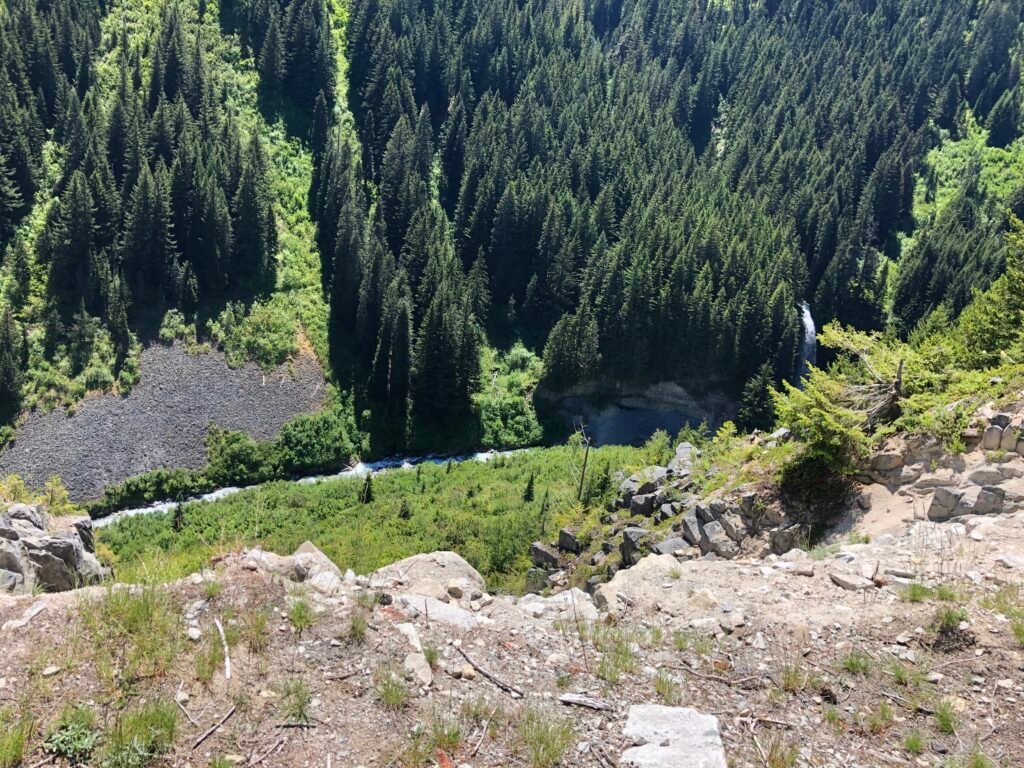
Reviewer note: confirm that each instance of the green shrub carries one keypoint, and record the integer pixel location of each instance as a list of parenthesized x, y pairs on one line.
[(75, 736)]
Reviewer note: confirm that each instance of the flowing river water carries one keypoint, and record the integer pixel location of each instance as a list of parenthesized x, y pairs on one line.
[(357, 470)]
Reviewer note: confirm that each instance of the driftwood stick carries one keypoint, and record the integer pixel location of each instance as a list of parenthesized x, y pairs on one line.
[(483, 735), (213, 728), (511, 689), (589, 702), (275, 746), (182, 706), (224, 642)]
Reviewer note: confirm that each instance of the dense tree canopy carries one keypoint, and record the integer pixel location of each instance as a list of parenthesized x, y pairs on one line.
[(641, 190)]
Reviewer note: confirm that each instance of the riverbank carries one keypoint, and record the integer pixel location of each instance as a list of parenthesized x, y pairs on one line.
[(359, 470)]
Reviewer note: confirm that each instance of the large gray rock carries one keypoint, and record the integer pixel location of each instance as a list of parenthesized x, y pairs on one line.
[(682, 464), (986, 474), (32, 514), (887, 461), (671, 737), (714, 539), (992, 437), (1008, 442), (568, 541), (543, 556), (944, 504), (670, 546), (689, 526), (12, 556), (431, 573), (34, 557), (981, 501), (642, 504), (635, 542), (734, 526)]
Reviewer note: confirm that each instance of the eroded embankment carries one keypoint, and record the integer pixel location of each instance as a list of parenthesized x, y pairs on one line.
[(162, 421)]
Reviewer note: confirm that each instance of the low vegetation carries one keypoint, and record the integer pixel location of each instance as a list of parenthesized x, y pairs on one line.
[(474, 508)]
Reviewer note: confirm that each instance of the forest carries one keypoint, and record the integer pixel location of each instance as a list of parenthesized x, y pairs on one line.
[(633, 190)]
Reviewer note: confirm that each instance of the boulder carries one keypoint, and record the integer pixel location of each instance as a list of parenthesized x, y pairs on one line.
[(981, 501), (682, 463), (986, 474), (645, 481), (714, 539), (944, 504), (536, 580), (431, 574), (734, 526), (665, 512), (886, 461), (781, 435), (1001, 420), (851, 581), (31, 514), (1008, 442), (671, 737), (643, 504), (309, 560), (992, 437), (12, 556), (635, 542), (568, 541), (569, 605), (445, 613), (543, 556), (670, 546), (689, 526)]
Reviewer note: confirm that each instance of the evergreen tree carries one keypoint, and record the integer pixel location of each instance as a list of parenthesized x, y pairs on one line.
[(10, 354)]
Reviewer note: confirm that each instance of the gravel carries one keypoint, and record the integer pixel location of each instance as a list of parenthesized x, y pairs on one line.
[(162, 421)]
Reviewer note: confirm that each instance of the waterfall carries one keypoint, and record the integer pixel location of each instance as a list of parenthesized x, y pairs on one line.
[(809, 347)]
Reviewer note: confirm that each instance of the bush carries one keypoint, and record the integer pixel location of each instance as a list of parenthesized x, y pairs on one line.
[(158, 485), (317, 442), (237, 459), (834, 435)]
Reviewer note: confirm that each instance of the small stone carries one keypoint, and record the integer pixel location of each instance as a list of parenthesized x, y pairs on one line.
[(468, 672), (759, 642), (195, 634), (1006, 685), (51, 670), (455, 590), (850, 581), (181, 697), (935, 677)]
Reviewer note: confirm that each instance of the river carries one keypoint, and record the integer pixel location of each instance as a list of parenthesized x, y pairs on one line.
[(357, 470)]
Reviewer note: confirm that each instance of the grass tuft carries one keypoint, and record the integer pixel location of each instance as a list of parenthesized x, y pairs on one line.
[(542, 737)]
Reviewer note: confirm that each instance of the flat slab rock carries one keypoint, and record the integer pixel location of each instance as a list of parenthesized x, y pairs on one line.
[(672, 737)]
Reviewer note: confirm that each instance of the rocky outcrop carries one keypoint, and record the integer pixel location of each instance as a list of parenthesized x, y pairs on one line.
[(50, 554)]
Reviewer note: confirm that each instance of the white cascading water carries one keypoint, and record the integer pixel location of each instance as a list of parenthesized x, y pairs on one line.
[(809, 348)]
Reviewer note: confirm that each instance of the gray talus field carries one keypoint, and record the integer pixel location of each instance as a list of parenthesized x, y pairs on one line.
[(162, 421)]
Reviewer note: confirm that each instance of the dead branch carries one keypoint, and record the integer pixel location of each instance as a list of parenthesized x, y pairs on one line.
[(224, 642), (510, 689), (213, 728), (588, 702)]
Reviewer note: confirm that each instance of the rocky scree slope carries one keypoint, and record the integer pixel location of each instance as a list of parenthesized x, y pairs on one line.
[(909, 477), (162, 422), (901, 651)]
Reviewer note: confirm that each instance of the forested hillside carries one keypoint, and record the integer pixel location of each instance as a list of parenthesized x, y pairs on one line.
[(435, 192)]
